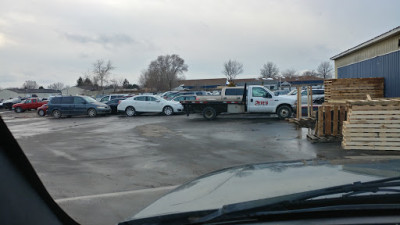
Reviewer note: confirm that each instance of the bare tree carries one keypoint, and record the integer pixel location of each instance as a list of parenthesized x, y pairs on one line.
[(232, 68), (56, 86), (290, 74), (114, 84), (30, 84), (163, 73), (269, 70), (325, 70), (309, 75), (102, 70)]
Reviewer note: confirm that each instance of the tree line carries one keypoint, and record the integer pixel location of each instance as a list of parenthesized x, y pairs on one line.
[(164, 74)]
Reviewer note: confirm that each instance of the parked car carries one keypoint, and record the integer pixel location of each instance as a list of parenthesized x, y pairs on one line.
[(281, 92), (111, 97), (76, 105), (167, 94), (291, 192), (114, 103), (200, 93), (184, 98), (148, 103), (28, 104), (7, 104), (318, 95)]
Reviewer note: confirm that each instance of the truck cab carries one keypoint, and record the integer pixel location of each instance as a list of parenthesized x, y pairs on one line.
[(260, 99)]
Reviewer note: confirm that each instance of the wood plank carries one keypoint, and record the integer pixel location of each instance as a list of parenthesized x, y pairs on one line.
[(342, 118), (372, 121), (372, 134), (375, 139), (383, 144), (393, 117), (369, 130), (335, 120), (328, 122), (320, 122), (371, 148), (377, 112), (376, 107), (381, 126), (298, 103)]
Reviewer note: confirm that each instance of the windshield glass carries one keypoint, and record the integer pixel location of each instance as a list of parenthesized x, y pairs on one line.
[(89, 99)]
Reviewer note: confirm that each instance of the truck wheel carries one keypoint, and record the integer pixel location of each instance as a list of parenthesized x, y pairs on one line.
[(284, 112), (92, 112), (56, 114), (130, 111), (18, 110), (209, 113), (168, 110)]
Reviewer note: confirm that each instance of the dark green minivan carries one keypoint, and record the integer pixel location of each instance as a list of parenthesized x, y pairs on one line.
[(76, 105)]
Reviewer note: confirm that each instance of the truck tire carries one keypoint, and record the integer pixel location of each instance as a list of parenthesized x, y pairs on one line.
[(284, 112), (209, 113)]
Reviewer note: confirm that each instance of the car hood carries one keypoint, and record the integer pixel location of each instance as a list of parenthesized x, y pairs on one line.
[(258, 181), (99, 104)]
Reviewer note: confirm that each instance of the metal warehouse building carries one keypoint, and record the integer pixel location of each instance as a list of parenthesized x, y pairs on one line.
[(378, 57)]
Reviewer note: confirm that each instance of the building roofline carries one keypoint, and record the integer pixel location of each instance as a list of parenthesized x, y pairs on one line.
[(369, 42)]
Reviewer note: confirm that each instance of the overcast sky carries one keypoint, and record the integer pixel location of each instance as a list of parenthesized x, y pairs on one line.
[(57, 41)]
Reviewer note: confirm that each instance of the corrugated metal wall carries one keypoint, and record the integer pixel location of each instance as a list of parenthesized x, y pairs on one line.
[(387, 66)]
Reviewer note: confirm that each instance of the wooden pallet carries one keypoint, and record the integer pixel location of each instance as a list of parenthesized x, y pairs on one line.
[(353, 89), (372, 125), (330, 120)]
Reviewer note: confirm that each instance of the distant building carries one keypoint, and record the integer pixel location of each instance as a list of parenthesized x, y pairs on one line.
[(378, 57), (23, 93)]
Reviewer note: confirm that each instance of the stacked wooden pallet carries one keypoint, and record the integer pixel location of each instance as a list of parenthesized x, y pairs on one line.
[(330, 120), (340, 90), (372, 125)]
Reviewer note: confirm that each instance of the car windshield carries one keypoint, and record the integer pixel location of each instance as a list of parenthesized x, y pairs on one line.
[(89, 99)]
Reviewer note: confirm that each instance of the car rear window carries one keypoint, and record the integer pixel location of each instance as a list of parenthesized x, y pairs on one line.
[(234, 91)]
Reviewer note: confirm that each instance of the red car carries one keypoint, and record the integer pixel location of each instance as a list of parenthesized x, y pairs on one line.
[(42, 110), (28, 104)]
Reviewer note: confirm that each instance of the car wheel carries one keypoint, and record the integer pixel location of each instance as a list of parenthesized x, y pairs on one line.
[(284, 112), (18, 110), (168, 110), (130, 111), (92, 112), (56, 114), (209, 113), (41, 112)]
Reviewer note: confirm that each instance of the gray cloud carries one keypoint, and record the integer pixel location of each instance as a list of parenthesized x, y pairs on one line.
[(105, 40)]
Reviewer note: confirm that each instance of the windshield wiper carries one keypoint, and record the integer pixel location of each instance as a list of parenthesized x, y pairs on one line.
[(279, 203)]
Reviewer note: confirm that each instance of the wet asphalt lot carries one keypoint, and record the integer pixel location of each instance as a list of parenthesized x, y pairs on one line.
[(105, 169)]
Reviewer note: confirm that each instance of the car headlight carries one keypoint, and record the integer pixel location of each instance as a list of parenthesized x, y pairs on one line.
[(102, 107)]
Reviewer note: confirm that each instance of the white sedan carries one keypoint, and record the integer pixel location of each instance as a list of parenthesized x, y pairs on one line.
[(148, 103)]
